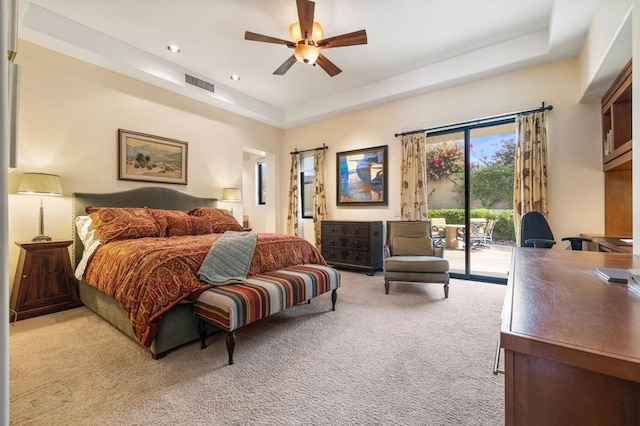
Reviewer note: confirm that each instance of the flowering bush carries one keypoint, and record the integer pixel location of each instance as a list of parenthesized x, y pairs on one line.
[(443, 160)]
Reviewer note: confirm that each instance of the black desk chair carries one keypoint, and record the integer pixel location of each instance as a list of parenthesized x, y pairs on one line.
[(535, 232)]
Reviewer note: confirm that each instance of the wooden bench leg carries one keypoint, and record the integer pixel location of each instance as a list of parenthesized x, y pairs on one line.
[(231, 345), (202, 329), (334, 299), (231, 339)]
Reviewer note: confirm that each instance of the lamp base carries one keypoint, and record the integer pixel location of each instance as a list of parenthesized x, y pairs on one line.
[(41, 238)]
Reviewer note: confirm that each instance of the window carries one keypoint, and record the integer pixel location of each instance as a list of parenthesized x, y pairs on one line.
[(262, 182), (306, 181)]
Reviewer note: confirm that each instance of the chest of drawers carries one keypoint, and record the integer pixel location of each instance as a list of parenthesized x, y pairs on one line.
[(353, 244)]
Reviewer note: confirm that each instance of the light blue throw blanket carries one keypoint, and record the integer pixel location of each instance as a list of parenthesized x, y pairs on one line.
[(228, 259)]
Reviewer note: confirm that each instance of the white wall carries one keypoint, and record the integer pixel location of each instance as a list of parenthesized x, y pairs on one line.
[(70, 112), (4, 240), (576, 181), (606, 49)]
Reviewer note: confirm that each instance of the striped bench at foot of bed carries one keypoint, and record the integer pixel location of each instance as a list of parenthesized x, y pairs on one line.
[(234, 305)]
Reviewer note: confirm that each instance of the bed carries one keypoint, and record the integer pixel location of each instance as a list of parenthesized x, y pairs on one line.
[(144, 283)]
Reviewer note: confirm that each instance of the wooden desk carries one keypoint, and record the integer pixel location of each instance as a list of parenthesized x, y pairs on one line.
[(609, 244), (571, 340)]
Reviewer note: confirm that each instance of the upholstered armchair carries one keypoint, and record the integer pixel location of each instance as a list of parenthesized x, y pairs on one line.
[(410, 256)]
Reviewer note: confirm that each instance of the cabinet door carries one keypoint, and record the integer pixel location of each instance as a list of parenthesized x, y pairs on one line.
[(44, 281)]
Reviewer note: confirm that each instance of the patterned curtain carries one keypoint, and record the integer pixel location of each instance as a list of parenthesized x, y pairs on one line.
[(292, 214), (413, 193), (530, 181), (319, 200)]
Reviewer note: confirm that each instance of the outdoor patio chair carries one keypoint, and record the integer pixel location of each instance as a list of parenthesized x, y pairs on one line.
[(475, 239), (487, 238), (535, 232), (410, 256), (478, 229), (439, 231)]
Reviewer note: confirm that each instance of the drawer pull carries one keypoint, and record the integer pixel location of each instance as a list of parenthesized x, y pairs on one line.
[(496, 362)]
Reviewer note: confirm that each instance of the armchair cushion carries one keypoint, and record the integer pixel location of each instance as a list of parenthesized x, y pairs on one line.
[(411, 246), (422, 264)]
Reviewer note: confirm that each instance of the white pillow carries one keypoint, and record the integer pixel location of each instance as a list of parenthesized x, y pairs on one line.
[(90, 239), (86, 231)]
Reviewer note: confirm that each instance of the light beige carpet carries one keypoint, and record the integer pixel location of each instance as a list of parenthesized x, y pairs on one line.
[(407, 358)]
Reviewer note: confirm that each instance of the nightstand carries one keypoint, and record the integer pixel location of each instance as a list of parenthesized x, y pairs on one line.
[(44, 281)]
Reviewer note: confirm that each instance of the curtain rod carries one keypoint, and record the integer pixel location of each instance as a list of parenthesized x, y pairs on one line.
[(308, 150), (485, 120)]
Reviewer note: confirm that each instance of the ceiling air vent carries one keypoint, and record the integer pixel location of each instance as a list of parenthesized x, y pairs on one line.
[(194, 81)]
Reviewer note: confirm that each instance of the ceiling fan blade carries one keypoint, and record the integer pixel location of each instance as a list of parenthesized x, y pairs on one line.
[(306, 10), (285, 66), (350, 39), (248, 35), (328, 66)]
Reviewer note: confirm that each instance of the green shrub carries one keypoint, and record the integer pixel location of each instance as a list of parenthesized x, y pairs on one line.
[(492, 184), (504, 226)]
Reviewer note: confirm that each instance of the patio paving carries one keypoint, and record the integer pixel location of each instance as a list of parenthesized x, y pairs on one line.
[(492, 260)]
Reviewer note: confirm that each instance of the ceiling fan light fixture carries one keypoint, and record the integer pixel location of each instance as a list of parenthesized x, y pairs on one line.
[(306, 47), (296, 34), (306, 53)]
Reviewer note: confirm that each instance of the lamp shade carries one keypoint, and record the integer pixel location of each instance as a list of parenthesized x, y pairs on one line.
[(296, 34), (306, 53), (40, 184), (231, 194)]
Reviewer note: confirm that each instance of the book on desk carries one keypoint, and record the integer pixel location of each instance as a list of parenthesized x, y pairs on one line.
[(633, 282), (631, 277), (618, 275)]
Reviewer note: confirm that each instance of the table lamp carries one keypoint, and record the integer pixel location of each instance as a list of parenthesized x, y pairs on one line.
[(231, 195), (40, 184)]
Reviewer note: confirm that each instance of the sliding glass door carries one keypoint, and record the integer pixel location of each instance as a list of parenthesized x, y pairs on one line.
[(470, 197)]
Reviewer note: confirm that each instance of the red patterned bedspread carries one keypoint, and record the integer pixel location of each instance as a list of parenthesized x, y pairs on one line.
[(150, 275)]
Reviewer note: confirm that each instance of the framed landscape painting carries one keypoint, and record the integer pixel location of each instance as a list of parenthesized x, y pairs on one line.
[(362, 177), (151, 158)]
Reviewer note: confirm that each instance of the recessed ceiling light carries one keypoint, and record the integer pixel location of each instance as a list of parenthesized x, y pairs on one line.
[(235, 77), (173, 48)]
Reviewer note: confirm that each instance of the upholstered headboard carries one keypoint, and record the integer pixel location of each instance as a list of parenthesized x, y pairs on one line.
[(153, 197)]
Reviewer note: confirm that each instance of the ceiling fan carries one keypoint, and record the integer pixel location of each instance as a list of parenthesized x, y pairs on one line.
[(306, 40)]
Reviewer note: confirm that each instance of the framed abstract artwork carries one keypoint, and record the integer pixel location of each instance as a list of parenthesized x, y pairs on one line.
[(362, 177), (151, 158)]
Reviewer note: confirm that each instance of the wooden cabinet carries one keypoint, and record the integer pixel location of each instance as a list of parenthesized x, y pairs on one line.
[(44, 281), (616, 123), (616, 142), (355, 245), (571, 340)]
